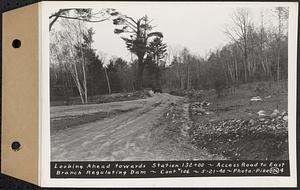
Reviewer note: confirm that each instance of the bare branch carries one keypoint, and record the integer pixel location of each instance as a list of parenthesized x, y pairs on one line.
[(84, 19)]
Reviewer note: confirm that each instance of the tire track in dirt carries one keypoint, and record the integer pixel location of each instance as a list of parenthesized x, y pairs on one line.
[(123, 137), (171, 138), (141, 134)]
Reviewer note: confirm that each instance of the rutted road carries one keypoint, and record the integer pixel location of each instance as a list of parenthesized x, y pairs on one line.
[(126, 136)]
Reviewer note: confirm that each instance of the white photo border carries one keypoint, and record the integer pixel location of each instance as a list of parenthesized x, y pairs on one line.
[(45, 9)]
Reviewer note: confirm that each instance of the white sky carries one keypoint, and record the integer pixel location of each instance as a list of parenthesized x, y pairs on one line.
[(197, 26)]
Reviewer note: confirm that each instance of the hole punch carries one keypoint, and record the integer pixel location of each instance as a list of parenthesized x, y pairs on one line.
[(16, 146), (16, 43)]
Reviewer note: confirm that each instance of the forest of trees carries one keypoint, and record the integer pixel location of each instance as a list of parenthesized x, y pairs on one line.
[(255, 53)]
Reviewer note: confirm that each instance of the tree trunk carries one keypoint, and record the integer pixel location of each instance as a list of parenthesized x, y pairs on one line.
[(278, 60), (140, 72), (78, 85), (181, 83), (83, 64), (188, 77), (236, 69), (278, 43), (157, 79), (107, 80), (246, 66)]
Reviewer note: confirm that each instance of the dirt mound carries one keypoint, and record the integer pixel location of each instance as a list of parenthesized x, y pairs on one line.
[(191, 94), (171, 136), (237, 139)]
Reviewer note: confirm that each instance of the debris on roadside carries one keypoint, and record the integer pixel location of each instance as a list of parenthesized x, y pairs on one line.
[(275, 113), (246, 125), (115, 97), (151, 93), (192, 94), (157, 103), (173, 104), (256, 99), (261, 113), (283, 113), (252, 122), (222, 135), (199, 108)]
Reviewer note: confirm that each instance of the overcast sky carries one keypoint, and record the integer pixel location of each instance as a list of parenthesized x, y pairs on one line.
[(197, 26)]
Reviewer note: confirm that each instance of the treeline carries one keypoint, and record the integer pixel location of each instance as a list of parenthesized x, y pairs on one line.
[(77, 70), (255, 53)]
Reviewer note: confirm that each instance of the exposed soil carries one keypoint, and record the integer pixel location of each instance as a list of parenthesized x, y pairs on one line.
[(154, 129), (233, 128), (171, 137), (168, 127)]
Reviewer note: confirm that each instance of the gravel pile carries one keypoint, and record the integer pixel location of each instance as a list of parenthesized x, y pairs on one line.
[(200, 108), (269, 133)]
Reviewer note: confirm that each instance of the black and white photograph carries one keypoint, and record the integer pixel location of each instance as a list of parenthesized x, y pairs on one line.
[(169, 82)]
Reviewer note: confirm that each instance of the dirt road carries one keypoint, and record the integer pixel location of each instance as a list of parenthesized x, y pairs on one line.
[(133, 134)]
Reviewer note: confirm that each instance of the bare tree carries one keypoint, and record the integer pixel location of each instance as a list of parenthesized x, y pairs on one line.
[(103, 57), (69, 43), (239, 34), (107, 80), (263, 39), (282, 13)]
